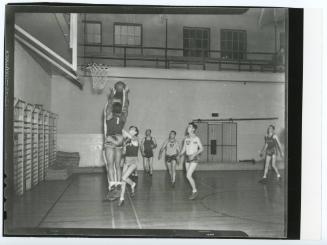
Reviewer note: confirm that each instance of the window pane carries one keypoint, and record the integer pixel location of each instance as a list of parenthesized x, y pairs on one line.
[(241, 46), (242, 36), (97, 39), (205, 35), (137, 40), (194, 41), (123, 39), (199, 34), (130, 40), (138, 31), (117, 30), (198, 44), (123, 30), (93, 32), (193, 34), (229, 36), (229, 45), (130, 30), (235, 45), (235, 36), (117, 39), (186, 33), (128, 35)]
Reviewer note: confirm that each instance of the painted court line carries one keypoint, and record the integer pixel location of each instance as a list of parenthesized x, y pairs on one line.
[(207, 185), (135, 213), (113, 223), (54, 204)]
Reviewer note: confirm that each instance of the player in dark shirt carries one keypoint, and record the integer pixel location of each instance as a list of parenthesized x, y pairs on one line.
[(148, 144), (271, 148), (131, 148), (115, 115)]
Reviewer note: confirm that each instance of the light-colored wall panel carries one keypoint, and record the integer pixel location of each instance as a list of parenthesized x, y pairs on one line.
[(31, 82)]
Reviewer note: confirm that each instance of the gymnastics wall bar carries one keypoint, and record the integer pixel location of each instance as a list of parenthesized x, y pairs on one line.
[(35, 143)]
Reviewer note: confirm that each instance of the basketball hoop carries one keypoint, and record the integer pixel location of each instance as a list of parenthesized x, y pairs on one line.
[(99, 76)]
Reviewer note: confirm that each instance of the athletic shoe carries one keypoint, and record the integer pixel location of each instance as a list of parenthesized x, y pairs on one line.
[(193, 195), (116, 193), (121, 203), (173, 184), (110, 196), (263, 181)]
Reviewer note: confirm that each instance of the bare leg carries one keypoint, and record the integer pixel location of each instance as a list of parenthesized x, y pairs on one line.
[(189, 173), (187, 166), (266, 166), (126, 173), (150, 164), (173, 170), (168, 164), (274, 165), (109, 154), (145, 167), (118, 156)]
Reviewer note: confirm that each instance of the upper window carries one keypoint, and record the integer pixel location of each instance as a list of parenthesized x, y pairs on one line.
[(128, 34), (93, 32), (196, 41), (233, 44)]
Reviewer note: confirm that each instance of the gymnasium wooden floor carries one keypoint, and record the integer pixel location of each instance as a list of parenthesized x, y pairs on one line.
[(228, 200)]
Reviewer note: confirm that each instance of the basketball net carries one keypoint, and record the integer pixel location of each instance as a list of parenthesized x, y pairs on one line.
[(99, 76)]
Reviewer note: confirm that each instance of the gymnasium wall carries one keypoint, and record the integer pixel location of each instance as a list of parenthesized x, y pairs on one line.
[(163, 104), (32, 82), (259, 38)]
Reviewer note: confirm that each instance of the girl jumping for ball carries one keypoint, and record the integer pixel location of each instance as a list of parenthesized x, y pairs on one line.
[(115, 115), (171, 148), (271, 147), (131, 149), (192, 147)]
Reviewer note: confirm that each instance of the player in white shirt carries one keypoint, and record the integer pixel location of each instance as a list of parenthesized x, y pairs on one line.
[(172, 149), (192, 147)]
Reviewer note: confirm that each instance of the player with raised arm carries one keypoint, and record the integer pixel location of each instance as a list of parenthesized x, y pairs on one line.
[(115, 115)]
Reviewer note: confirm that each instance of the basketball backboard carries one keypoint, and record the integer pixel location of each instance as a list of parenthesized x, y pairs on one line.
[(52, 37)]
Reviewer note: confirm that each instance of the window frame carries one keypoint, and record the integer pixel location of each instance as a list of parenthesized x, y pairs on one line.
[(85, 31), (126, 24), (232, 50), (202, 49)]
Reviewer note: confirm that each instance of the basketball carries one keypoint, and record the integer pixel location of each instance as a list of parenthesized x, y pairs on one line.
[(120, 86)]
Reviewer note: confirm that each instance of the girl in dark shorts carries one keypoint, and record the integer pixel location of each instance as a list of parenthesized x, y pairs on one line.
[(148, 144), (172, 149), (271, 148), (131, 150)]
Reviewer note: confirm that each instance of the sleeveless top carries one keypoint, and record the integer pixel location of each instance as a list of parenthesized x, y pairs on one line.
[(171, 148), (114, 126), (271, 142), (148, 145), (131, 150), (192, 145)]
